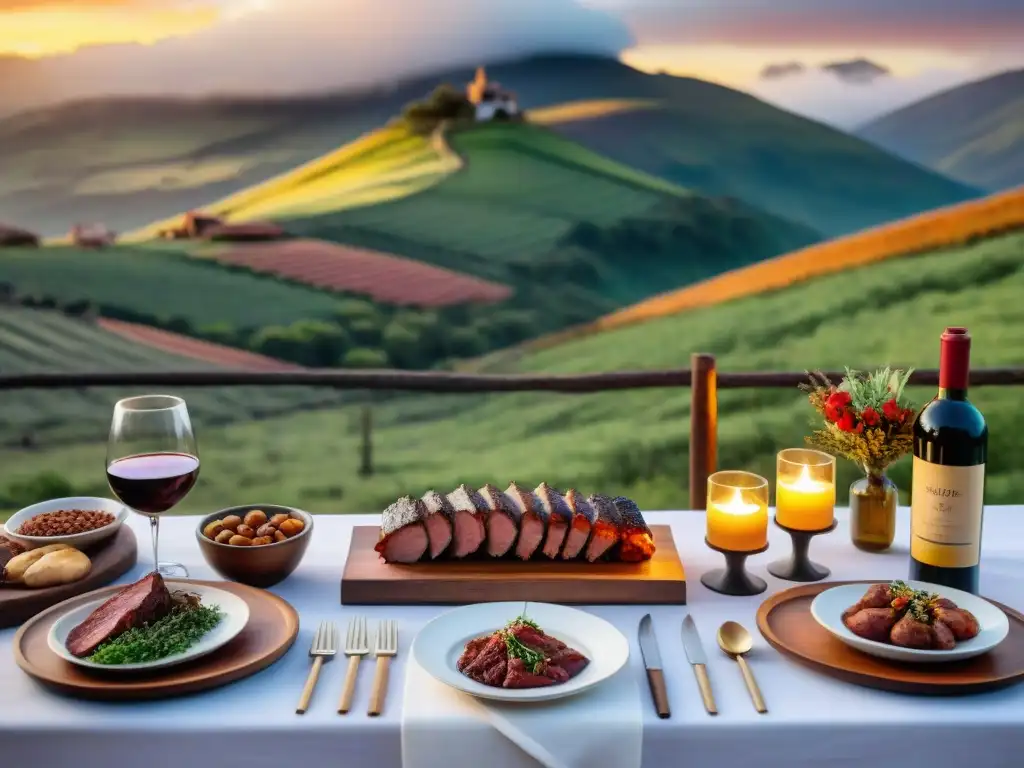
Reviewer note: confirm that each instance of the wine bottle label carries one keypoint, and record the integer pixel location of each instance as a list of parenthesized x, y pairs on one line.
[(945, 514)]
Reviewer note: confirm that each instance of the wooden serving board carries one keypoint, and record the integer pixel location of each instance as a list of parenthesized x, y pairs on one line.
[(785, 621), (271, 630), (111, 559), (368, 580)]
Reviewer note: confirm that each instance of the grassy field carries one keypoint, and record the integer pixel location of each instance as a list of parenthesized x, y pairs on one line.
[(163, 283), (525, 192), (34, 341), (945, 227), (384, 165), (632, 442)]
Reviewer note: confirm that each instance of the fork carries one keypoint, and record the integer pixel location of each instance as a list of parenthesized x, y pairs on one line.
[(385, 648), (325, 645), (356, 646)]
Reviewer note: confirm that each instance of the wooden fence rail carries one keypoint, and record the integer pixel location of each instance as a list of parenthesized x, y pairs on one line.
[(702, 378)]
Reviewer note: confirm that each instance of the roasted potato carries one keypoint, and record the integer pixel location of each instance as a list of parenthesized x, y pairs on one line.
[(61, 567), (246, 530), (276, 520), (224, 536), (278, 536), (260, 541), (255, 518), (213, 528), (17, 566), (240, 541), (291, 527), (267, 529)]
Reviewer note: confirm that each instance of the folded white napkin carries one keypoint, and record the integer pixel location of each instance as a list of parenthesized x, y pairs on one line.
[(443, 726)]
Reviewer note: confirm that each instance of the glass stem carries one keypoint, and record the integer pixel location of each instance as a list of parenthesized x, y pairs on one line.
[(154, 527)]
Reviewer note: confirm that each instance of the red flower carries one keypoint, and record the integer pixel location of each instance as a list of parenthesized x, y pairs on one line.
[(908, 413), (835, 405), (892, 410), (870, 416), (847, 421)]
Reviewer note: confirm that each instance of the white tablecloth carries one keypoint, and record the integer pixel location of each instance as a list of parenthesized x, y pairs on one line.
[(813, 721)]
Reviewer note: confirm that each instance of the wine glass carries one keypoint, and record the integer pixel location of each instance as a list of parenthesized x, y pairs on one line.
[(152, 461)]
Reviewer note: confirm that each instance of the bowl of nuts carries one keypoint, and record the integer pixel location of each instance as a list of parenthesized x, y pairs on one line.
[(78, 521), (256, 544)]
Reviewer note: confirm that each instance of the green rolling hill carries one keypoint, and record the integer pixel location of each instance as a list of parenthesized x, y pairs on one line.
[(635, 442), (537, 211), (128, 162), (974, 132)]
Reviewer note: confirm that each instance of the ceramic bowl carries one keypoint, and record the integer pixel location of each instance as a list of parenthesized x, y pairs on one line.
[(261, 566), (85, 540)]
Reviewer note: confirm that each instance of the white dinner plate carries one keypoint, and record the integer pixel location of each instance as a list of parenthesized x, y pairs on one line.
[(439, 644), (827, 609), (234, 608)]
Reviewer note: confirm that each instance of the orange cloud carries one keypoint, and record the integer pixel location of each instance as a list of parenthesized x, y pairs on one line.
[(45, 27)]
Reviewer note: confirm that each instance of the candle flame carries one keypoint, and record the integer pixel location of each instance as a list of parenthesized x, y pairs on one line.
[(806, 484), (737, 506)]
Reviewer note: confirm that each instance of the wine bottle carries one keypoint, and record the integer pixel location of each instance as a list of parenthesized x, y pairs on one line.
[(948, 485)]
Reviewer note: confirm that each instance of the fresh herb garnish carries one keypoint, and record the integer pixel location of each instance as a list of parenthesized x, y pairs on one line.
[(175, 633), (516, 648), (918, 602)]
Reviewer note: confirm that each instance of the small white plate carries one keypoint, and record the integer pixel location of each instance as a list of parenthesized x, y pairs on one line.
[(827, 609), (234, 608), (76, 540), (439, 644)]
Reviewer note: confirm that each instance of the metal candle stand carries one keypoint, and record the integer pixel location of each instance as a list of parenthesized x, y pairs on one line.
[(798, 566), (734, 578)]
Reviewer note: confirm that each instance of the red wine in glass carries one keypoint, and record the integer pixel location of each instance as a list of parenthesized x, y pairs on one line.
[(153, 483), (152, 461)]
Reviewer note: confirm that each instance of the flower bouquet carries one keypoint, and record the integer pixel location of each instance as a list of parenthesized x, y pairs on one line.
[(869, 420)]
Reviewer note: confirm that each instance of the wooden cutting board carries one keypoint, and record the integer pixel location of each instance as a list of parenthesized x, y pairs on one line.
[(110, 560), (368, 580)]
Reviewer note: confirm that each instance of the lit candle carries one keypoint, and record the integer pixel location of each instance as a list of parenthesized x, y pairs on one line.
[(738, 525), (805, 504)]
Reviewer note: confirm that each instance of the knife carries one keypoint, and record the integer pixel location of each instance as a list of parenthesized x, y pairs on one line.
[(652, 661), (695, 655)]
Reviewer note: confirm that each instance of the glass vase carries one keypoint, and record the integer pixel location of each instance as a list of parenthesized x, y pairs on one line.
[(873, 502)]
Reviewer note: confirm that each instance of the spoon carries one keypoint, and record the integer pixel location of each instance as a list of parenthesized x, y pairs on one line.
[(734, 639)]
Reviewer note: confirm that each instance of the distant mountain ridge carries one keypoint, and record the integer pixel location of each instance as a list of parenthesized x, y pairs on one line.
[(973, 133)]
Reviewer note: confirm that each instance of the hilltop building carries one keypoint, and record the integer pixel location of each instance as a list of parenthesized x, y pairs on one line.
[(92, 236), (490, 99)]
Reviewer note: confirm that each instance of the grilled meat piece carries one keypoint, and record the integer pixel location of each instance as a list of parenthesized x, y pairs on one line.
[(403, 535), (559, 518), (583, 518), (502, 521), (140, 603), (606, 531), (440, 522), (636, 542), (490, 661), (470, 517), (908, 632), (877, 596), (961, 622), (872, 623), (942, 637), (533, 521)]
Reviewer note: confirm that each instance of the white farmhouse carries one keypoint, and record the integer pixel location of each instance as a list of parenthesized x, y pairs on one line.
[(490, 99)]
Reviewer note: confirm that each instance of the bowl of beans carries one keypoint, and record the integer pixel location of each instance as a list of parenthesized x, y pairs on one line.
[(78, 521)]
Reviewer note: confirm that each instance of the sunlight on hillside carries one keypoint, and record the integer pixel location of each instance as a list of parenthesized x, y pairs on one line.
[(384, 165), (935, 229), (587, 110)]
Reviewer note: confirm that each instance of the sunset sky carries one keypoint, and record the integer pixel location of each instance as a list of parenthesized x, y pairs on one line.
[(926, 44)]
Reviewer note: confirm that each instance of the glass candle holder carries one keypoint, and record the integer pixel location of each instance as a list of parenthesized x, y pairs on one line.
[(737, 512), (805, 489)]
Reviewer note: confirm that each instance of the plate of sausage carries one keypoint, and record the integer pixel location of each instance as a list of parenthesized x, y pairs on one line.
[(911, 621)]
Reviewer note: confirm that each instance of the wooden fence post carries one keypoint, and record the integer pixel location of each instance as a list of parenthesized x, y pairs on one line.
[(703, 426)]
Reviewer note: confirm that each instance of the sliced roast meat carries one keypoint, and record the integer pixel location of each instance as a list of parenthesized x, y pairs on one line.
[(559, 518), (583, 518), (470, 518), (607, 530), (502, 521), (533, 521), (140, 603), (440, 522), (403, 535), (636, 541)]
